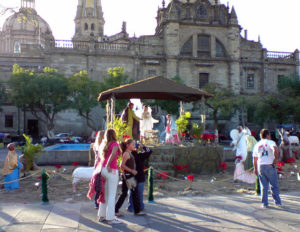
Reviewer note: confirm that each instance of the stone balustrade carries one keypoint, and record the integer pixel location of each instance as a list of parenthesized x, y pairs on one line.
[(83, 45)]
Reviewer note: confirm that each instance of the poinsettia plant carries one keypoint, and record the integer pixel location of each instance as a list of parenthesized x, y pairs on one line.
[(223, 166), (208, 137), (190, 178)]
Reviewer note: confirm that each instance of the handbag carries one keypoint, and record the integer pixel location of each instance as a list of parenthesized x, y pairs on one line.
[(131, 182)]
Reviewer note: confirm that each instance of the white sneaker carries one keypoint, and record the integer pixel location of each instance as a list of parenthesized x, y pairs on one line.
[(115, 222), (279, 206)]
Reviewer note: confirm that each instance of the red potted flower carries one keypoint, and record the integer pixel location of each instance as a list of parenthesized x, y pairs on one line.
[(223, 166), (190, 178), (58, 167), (75, 164)]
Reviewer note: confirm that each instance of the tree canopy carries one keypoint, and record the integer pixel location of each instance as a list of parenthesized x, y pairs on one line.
[(222, 105), (83, 96), (44, 94), (115, 77), (3, 95), (279, 107)]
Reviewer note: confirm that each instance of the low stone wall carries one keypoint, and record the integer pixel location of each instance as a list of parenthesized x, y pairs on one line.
[(200, 159), (63, 157)]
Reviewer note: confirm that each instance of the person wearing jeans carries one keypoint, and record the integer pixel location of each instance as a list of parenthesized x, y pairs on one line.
[(268, 175), (140, 158), (265, 156), (128, 167)]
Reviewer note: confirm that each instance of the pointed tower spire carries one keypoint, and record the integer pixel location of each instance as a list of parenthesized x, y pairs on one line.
[(233, 13), (233, 20), (89, 19)]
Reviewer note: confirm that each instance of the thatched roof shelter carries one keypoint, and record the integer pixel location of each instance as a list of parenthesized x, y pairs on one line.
[(157, 87)]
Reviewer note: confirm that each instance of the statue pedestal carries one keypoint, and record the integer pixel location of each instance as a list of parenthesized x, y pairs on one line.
[(151, 137)]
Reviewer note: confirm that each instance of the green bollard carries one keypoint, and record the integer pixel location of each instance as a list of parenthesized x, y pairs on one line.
[(45, 177), (150, 185)]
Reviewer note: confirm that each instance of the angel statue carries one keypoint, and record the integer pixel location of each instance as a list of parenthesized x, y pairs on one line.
[(146, 124), (240, 145)]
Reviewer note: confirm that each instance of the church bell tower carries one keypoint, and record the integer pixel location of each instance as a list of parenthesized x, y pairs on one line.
[(28, 4), (89, 20)]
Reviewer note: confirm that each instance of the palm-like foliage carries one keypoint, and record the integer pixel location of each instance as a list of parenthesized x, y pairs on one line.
[(31, 152)]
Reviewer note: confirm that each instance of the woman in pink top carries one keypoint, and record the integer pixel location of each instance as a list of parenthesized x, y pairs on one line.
[(109, 152)]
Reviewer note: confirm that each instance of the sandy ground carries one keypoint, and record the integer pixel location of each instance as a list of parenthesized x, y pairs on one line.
[(60, 186)]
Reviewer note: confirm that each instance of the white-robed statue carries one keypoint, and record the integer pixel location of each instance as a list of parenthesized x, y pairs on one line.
[(239, 142), (146, 124)]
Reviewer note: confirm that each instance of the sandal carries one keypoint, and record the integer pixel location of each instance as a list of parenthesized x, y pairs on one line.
[(140, 214), (101, 219), (115, 222), (119, 215)]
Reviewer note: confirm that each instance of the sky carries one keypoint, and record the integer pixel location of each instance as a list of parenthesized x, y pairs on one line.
[(276, 21)]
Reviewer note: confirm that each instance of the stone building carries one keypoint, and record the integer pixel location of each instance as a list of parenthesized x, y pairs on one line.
[(197, 40)]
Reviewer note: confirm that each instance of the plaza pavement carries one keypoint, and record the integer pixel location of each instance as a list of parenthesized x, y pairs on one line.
[(215, 213)]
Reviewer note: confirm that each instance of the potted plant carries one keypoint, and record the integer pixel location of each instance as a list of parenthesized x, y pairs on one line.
[(182, 123), (31, 152)]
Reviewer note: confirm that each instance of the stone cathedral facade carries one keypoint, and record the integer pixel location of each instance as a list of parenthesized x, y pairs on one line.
[(197, 40)]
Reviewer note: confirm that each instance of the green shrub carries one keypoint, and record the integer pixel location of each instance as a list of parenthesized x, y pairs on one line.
[(31, 152), (182, 122)]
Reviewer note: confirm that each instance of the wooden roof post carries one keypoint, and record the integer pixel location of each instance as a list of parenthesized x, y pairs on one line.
[(113, 104), (107, 113), (181, 108), (203, 116)]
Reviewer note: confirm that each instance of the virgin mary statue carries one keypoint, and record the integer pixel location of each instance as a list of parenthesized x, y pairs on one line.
[(146, 124)]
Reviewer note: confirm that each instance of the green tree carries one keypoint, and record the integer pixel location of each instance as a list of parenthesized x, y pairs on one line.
[(44, 94), (281, 106), (116, 77), (83, 96), (3, 95), (222, 105)]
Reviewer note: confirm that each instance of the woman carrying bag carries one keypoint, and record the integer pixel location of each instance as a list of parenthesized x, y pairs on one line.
[(128, 179)]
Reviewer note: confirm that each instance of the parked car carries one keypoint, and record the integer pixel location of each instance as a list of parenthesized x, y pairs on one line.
[(76, 139), (62, 138), (5, 138)]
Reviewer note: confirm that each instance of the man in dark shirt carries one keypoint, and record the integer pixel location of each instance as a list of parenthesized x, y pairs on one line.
[(140, 158)]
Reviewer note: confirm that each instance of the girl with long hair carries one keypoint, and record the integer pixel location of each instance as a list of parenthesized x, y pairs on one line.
[(96, 181), (128, 167), (109, 152), (96, 146)]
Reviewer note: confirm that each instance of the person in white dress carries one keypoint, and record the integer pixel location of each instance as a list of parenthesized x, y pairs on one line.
[(240, 143), (146, 124)]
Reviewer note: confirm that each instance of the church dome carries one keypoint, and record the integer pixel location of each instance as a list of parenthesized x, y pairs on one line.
[(26, 20), (24, 27)]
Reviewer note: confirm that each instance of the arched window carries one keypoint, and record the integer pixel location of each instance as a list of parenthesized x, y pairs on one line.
[(220, 50), (86, 26), (93, 27), (17, 47), (178, 12), (203, 46), (187, 48), (222, 17), (201, 11), (188, 13)]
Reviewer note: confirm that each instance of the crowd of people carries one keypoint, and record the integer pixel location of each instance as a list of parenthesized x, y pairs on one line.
[(106, 176), (129, 157), (262, 157)]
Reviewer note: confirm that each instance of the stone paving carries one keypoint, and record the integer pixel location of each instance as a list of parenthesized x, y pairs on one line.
[(215, 213)]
